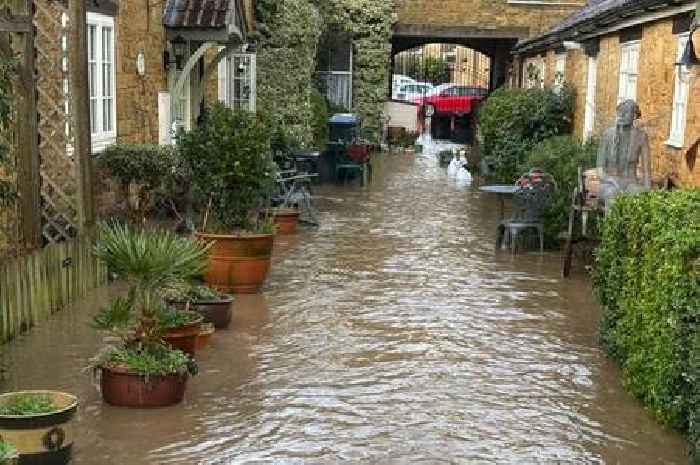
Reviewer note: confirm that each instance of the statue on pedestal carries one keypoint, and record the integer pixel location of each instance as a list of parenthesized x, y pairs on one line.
[(624, 161)]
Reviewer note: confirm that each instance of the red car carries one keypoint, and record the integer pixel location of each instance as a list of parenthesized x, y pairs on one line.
[(451, 99)]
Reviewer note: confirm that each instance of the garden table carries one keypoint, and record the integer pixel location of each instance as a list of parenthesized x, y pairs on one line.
[(502, 190)]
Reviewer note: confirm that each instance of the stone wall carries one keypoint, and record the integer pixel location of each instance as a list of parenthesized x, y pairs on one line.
[(483, 14), (139, 28), (655, 91)]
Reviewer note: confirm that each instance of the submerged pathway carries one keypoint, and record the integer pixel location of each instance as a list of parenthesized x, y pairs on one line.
[(391, 335)]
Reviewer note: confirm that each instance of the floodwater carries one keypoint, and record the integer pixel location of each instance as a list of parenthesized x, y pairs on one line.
[(393, 334)]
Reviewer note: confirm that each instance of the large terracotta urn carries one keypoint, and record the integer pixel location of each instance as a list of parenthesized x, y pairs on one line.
[(238, 264)]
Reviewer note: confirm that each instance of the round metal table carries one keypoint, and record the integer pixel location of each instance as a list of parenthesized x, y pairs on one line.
[(502, 190)]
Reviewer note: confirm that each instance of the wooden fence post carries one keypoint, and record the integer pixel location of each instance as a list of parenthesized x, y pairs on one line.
[(80, 113), (27, 155)]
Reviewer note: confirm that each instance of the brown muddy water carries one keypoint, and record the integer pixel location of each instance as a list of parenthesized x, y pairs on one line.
[(393, 334)]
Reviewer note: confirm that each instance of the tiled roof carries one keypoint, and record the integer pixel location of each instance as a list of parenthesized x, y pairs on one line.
[(596, 15), (593, 9), (197, 14)]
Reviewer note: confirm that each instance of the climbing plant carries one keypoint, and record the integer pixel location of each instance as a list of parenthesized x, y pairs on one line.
[(288, 36), (369, 23), (8, 67)]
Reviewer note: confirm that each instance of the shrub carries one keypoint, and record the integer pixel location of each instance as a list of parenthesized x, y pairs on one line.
[(319, 123), (149, 175), (648, 281), (232, 169), (560, 156), (512, 121)]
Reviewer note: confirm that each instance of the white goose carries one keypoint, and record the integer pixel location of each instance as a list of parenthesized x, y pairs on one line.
[(454, 167), (463, 175)]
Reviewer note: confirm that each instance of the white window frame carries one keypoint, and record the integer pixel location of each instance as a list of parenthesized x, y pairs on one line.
[(101, 92), (681, 95), (228, 75), (591, 89), (629, 70), (559, 71)]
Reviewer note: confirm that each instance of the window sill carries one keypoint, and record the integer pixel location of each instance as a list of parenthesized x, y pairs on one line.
[(99, 144), (674, 144)]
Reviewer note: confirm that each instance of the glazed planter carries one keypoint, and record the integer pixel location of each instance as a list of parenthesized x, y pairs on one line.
[(123, 388), (184, 337), (238, 264), (286, 220), (41, 439), (206, 331)]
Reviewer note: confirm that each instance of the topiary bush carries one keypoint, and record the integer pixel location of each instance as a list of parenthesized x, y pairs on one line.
[(512, 121), (648, 280), (560, 156), (319, 124)]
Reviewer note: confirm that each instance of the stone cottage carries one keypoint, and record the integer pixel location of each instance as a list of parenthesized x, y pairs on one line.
[(614, 50), (152, 64)]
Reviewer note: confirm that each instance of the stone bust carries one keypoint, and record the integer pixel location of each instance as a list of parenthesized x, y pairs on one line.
[(624, 161)]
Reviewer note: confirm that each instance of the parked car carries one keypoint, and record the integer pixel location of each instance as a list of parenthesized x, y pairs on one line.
[(399, 80), (410, 92), (451, 99)]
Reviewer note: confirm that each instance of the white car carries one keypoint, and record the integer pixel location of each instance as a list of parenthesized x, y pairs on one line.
[(409, 92), (398, 81)]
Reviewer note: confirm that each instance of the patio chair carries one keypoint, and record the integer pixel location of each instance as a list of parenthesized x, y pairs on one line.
[(529, 203), (584, 204)]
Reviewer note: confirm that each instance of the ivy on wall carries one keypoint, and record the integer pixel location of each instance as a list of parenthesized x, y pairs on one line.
[(289, 32), (369, 23), (288, 36)]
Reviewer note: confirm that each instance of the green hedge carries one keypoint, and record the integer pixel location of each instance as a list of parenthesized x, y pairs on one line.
[(560, 156), (648, 280), (512, 121)]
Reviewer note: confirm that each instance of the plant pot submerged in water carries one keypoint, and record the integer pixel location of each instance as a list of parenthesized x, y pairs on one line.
[(233, 177), (39, 424), (146, 369), (238, 264), (215, 307), (286, 220)]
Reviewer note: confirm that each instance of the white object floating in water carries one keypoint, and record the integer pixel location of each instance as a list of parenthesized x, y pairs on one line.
[(453, 168), (464, 177)]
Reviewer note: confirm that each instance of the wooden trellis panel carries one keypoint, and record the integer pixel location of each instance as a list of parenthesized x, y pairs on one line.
[(59, 186)]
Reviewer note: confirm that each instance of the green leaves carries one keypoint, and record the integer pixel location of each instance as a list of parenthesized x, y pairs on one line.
[(512, 121), (147, 258), (232, 170), (646, 279)]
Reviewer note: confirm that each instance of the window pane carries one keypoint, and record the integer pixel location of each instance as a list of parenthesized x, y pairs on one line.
[(93, 116), (106, 44), (92, 41), (106, 80), (107, 115)]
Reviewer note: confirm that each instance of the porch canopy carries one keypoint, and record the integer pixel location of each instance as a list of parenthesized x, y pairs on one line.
[(209, 23)]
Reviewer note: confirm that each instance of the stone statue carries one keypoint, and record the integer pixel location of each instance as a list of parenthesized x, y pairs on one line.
[(624, 162)]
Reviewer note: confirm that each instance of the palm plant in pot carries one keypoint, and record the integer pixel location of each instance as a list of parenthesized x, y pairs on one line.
[(233, 178), (142, 369)]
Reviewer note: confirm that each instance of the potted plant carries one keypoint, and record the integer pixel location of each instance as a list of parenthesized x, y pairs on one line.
[(233, 176), (214, 306), (8, 454), (182, 328), (39, 425), (142, 370)]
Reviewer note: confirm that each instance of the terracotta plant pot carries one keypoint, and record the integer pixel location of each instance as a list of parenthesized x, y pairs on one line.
[(42, 439), (122, 388), (184, 337), (205, 333), (286, 220), (238, 264)]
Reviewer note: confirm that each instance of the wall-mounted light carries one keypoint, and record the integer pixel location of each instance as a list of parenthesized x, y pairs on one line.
[(177, 58)]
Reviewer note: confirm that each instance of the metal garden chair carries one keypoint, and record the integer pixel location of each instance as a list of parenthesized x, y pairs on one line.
[(529, 204)]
